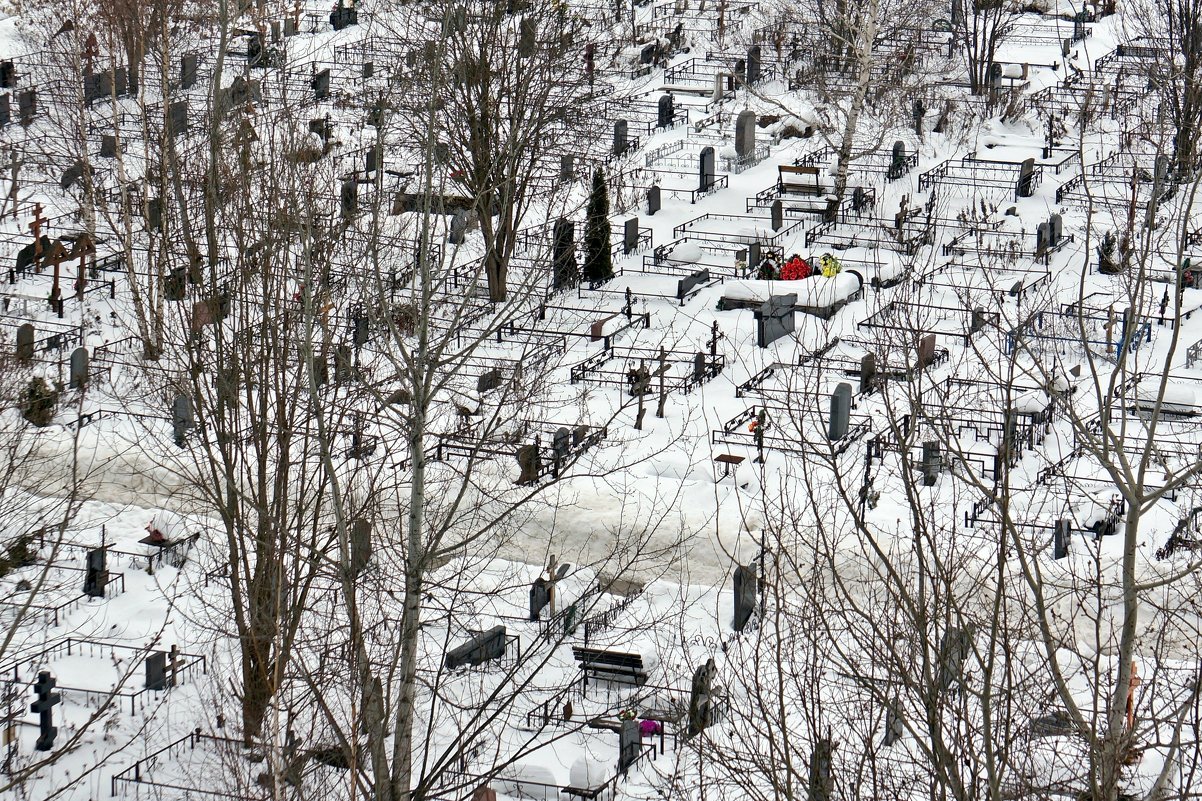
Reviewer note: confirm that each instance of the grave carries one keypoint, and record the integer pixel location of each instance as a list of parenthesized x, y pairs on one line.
[(484, 647)]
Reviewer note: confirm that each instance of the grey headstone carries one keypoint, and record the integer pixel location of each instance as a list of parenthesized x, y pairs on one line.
[(1026, 180), (647, 54), (349, 198), (746, 587), (540, 596), (529, 462), (745, 135), (753, 65), (894, 726), (926, 351), (653, 200), (1061, 537), (867, 373), (621, 139), (840, 413), (980, 318), (95, 573), (157, 678), (630, 743), (527, 37), (567, 168), (344, 364), (753, 255), (458, 228), (6, 115), (1042, 235), (321, 85), (490, 380), (687, 284), (27, 105), (182, 420), (79, 368), (665, 112), (778, 215), (484, 647), (701, 697), (707, 169), (897, 163), (775, 319), (630, 236), (953, 652), (1056, 225), (699, 369), (360, 545), (25, 337), (188, 70), (108, 146), (821, 781), (932, 463), (178, 115)]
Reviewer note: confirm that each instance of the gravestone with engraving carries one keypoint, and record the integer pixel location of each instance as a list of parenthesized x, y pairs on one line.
[(1026, 178), (653, 200), (630, 742), (687, 284), (778, 215)]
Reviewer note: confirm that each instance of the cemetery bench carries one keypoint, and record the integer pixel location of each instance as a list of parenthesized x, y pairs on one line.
[(728, 461), (614, 666), (799, 180)]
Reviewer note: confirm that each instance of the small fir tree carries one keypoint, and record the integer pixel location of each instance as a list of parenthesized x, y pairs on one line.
[(598, 260)]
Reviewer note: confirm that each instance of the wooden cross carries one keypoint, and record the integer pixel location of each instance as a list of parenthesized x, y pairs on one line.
[(661, 372), (57, 254), (641, 380), (35, 225), (83, 248)]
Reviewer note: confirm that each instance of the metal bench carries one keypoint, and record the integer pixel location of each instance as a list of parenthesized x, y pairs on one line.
[(614, 666)]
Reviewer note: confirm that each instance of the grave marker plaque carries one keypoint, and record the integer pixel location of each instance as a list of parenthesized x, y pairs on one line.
[(182, 420)]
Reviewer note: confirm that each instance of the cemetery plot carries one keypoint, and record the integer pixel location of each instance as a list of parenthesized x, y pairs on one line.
[(541, 449), (680, 176), (56, 591), (798, 431), (647, 371), (998, 181)]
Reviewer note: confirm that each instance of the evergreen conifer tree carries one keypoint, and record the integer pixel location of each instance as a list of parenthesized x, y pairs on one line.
[(598, 260)]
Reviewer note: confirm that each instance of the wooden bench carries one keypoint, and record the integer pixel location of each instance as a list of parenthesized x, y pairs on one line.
[(613, 666), (799, 180)]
